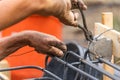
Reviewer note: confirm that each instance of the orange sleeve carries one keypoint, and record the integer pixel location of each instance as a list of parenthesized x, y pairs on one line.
[(50, 25)]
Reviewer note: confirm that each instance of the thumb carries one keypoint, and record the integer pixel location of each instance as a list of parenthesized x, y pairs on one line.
[(70, 18)]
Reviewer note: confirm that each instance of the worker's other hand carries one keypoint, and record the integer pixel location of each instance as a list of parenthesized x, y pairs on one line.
[(62, 10), (46, 43)]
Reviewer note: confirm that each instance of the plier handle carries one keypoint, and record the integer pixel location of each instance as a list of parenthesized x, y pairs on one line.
[(87, 33)]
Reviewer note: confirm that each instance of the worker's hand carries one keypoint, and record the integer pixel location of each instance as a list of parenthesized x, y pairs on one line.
[(42, 43), (69, 17), (62, 10), (46, 43)]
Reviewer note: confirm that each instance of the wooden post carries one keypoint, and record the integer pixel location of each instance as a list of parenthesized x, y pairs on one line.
[(107, 19)]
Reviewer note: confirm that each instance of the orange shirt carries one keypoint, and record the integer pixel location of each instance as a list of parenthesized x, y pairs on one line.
[(49, 25)]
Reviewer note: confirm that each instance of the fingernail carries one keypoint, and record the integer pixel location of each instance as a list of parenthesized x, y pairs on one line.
[(65, 48), (85, 7), (61, 54), (76, 15)]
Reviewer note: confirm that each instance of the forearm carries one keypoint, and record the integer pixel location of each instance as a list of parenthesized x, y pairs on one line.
[(14, 11), (10, 44)]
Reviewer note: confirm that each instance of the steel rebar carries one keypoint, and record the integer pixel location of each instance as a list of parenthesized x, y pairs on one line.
[(94, 66)]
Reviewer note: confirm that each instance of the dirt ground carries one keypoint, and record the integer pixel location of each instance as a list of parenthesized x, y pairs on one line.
[(92, 14)]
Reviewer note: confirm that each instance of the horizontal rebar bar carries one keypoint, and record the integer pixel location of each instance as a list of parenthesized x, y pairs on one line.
[(110, 64), (34, 67), (94, 66), (74, 68)]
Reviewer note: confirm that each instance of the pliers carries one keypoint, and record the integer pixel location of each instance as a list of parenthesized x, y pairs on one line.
[(87, 33)]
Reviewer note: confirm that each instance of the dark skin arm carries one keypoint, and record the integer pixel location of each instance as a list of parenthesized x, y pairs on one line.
[(16, 10), (40, 41)]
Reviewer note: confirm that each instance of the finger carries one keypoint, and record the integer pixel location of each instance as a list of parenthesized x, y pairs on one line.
[(76, 15), (53, 51), (72, 18), (82, 4), (67, 18), (59, 45)]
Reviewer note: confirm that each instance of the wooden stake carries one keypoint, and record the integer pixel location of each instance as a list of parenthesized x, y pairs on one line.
[(107, 23), (107, 19)]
